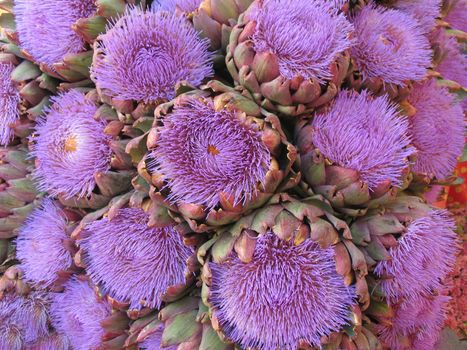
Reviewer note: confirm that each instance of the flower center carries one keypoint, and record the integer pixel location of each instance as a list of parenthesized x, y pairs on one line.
[(213, 150), (71, 144)]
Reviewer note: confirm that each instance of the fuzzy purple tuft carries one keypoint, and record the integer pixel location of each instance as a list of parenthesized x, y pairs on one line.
[(145, 54), (424, 256), (137, 266), (153, 341), (424, 11), (390, 45), (420, 319), (259, 304), (202, 152), (45, 27), (306, 36), (437, 129), (77, 313), (366, 134), (40, 245), (70, 146), (457, 15), (51, 342), (9, 103), (184, 6)]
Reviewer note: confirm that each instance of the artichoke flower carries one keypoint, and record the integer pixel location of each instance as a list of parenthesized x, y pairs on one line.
[(290, 70), (214, 156), (290, 261)]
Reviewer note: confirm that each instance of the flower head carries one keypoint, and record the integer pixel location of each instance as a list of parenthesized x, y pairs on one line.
[(202, 152), (437, 129), (153, 341), (70, 146), (40, 247), (425, 254), (9, 103), (137, 266), (259, 304), (306, 36), (457, 15), (185, 6), (50, 342), (366, 134), (390, 45), (45, 27), (424, 11), (420, 319), (145, 54), (77, 313)]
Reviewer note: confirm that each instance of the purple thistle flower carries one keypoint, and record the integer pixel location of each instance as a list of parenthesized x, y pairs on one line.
[(437, 129), (40, 247), (51, 342), (77, 313), (424, 11), (420, 319), (45, 27), (145, 54), (390, 45), (185, 6), (134, 267), (259, 304), (202, 152), (457, 15), (366, 134), (424, 256), (306, 36), (153, 341), (70, 146), (9, 103)]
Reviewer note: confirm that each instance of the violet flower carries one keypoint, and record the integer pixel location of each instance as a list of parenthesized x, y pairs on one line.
[(424, 11), (185, 6), (457, 15), (9, 103)]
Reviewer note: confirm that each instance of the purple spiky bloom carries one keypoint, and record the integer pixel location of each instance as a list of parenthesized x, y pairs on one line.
[(390, 45), (77, 313), (306, 36), (366, 134), (45, 27), (202, 152), (40, 245), (184, 6), (457, 15), (9, 103), (424, 11), (425, 254), (259, 304), (51, 342), (420, 318), (437, 129), (70, 146), (145, 54), (153, 341), (134, 267)]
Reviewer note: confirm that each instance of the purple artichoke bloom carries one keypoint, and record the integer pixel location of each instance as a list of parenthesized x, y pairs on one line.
[(40, 245), (45, 27), (51, 342), (202, 152), (184, 6), (390, 45), (424, 256), (153, 341), (366, 134), (306, 36), (70, 146), (137, 266), (259, 304), (77, 313), (457, 15), (437, 129), (145, 54), (424, 11), (420, 319), (9, 103)]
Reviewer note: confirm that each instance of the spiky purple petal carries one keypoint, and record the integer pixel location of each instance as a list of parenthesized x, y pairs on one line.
[(45, 27), (51, 342), (423, 257), (437, 129), (40, 246), (70, 146), (390, 45), (306, 36), (136, 266), (9, 103), (153, 341), (457, 15), (424, 11), (202, 152), (145, 54), (366, 134), (77, 313), (259, 304), (185, 6)]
